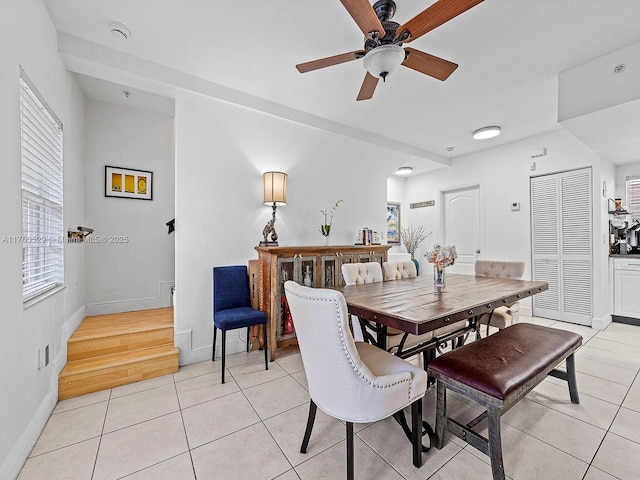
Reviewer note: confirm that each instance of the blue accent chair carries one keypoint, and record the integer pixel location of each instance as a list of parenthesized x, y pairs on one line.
[(232, 307)]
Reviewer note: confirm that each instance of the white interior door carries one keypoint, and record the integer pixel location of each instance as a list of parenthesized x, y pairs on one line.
[(461, 226)]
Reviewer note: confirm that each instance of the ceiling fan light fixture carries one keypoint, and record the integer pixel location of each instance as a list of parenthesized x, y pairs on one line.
[(404, 171), (383, 60), (486, 132)]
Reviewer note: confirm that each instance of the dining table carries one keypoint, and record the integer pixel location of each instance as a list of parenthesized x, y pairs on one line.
[(414, 305)]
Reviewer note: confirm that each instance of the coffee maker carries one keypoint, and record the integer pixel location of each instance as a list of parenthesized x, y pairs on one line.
[(633, 237)]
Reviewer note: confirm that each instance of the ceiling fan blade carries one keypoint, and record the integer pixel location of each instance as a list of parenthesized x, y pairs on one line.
[(364, 15), (368, 87), (431, 65), (440, 12), (329, 61)]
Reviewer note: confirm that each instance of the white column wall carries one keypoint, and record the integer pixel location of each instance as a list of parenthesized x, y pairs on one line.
[(222, 151)]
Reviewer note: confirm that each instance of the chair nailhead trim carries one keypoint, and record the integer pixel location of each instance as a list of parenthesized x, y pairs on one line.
[(344, 348)]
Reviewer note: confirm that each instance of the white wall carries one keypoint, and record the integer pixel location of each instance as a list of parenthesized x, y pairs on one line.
[(221, 152), (136, 272), (28, 395), (504, 174), (622, 171)]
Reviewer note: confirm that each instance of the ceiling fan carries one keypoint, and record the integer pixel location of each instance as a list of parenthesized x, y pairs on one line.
[(383, 51)]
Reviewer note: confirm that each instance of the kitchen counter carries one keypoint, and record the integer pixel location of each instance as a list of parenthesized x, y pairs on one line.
[(628, 255)]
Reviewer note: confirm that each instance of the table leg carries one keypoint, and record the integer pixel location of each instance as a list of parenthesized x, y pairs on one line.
[(426, 429)]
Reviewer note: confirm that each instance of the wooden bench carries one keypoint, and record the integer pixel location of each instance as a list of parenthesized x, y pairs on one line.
[(496, 372)]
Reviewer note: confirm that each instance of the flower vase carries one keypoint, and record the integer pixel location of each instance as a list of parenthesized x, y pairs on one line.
[(326, 240), (439, 281)]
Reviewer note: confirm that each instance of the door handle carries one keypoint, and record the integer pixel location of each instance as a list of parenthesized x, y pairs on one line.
[(477, 251)]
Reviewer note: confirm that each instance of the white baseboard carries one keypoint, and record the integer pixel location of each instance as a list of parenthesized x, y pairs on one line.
[(601, 323), (12, 464), (162, 300), (189, 355)]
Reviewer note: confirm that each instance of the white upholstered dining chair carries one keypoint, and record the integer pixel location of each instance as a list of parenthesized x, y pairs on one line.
[(352, 381), (356, 273), (399, 270), (504, 315)]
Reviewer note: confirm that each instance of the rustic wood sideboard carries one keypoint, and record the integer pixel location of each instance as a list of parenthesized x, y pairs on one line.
[(314, 266)]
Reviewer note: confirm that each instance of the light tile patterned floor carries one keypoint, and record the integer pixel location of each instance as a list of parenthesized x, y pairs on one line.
[(190, 426)]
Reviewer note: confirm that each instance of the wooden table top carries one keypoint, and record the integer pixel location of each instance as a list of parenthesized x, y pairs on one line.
[(412, 305)]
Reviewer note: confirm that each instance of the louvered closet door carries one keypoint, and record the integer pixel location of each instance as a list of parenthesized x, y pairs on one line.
[(545, 229), (576, 246), (561, 245)]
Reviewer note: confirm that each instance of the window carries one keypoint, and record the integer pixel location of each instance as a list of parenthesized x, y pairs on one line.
[(633, 197), (41, 157)]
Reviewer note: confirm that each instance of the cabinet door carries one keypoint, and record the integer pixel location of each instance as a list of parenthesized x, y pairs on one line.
[(626, 288), (330, 273), (287, 270), (306, 270), (371, 257)]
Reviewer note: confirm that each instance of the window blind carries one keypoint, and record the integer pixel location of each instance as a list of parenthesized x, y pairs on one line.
[(633, 197), (41, 159)]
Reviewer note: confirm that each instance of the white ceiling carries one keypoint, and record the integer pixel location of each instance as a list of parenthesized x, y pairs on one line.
[(509, 52)]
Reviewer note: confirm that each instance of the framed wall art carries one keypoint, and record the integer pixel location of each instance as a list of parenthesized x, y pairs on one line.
[(128, 183), (393, 223)]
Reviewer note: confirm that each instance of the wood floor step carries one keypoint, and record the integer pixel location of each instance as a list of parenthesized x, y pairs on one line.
[(85, 348), (109, 371), (101, 326)]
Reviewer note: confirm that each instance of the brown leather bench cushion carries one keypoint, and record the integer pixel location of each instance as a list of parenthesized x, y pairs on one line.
[(501, 363)]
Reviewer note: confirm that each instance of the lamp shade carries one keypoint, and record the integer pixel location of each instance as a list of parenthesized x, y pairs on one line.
[(275, 188), (383, 60)]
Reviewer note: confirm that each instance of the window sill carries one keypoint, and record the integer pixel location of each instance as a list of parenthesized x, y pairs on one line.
[(49, 293)]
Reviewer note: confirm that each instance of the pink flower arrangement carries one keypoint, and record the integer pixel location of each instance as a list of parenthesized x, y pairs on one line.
[(442, 256)]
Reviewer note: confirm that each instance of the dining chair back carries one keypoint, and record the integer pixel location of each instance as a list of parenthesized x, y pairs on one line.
[(352, 381), (356, 273), (504, 315), (232, 308), (399, 270)]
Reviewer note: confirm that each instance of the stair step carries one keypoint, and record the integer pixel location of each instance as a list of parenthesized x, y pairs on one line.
[(101, 326), (85, 347), (109, 371)]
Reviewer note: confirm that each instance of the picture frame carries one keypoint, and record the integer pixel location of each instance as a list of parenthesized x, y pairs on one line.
[(128, 183), (393, 223)]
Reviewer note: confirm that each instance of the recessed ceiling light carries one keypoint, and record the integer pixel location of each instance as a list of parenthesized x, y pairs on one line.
[(119, 30), (404, 171), (486, 132)]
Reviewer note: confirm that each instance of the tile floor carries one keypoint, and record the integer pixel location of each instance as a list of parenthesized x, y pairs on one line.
[(190, 426)]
